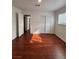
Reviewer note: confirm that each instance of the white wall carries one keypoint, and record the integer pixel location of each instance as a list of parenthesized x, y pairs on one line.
[(36, 21), (60, 30), (13, 23), (20, 17), (21, 24)]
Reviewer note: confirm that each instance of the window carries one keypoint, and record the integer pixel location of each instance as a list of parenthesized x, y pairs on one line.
[(62, 19)]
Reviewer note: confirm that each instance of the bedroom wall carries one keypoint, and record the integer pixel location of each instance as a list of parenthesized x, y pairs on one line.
[(36, 22), (60, 30), (20, 19)]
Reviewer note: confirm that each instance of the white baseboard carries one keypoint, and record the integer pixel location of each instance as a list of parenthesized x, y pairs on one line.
[(60, 37)]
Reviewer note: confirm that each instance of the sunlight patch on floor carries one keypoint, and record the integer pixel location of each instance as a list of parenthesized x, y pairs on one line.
[(36, 38)]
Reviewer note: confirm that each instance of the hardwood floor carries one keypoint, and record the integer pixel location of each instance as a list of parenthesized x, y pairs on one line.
[(42, 46)]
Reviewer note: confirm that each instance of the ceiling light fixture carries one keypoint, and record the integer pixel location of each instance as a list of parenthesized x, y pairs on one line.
[(37, 5), (39, 1)]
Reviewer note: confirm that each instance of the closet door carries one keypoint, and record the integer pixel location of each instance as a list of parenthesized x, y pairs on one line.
[(48, 24), (43, 24)]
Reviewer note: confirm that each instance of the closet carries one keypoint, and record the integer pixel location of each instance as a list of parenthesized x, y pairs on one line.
[(42, 24), (47, 24)]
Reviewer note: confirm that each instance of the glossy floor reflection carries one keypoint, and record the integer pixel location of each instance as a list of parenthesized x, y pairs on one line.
[(42, 46)]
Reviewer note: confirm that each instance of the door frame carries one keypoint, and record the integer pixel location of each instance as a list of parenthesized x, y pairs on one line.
[(25, 23), (17, 25)]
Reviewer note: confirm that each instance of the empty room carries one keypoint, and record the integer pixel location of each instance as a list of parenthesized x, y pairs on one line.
[(38, 29)]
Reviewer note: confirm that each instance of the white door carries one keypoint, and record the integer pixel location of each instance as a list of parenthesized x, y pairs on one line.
[(48, 24), (43, 24)]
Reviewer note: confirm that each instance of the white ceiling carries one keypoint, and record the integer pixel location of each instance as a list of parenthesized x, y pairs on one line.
[(46, 5)]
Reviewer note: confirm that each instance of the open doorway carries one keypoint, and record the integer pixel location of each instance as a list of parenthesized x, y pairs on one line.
[(27, 23)]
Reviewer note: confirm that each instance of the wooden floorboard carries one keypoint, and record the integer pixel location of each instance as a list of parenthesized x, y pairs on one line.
[(42, 46)]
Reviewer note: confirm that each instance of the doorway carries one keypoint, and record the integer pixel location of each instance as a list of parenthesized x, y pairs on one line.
[(27, 23)]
